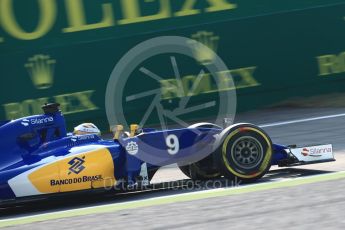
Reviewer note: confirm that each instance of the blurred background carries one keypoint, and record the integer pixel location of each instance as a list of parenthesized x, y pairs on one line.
[(279, 53)]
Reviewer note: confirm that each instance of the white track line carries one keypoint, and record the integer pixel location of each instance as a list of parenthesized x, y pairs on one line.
[(301, 120)]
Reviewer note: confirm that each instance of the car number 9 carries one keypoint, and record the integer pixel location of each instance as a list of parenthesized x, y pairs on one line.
[(173, 144)]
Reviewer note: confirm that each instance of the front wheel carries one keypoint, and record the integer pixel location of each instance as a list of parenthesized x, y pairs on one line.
[(245, 153)]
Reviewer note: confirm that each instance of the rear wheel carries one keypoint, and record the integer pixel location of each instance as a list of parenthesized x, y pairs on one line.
[(152, 172), (201, 170), (206, 169), (245, 153)]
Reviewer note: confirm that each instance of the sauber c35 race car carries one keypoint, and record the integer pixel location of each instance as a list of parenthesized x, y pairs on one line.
[(38, 157)]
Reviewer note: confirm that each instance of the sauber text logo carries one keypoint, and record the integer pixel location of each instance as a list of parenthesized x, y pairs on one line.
[(316, 151), (36, 121)]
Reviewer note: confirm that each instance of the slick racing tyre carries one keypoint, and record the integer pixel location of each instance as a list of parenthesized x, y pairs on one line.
[(206, 169), (245, 153)]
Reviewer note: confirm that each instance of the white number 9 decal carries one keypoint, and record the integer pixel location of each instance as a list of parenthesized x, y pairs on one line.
[(173, 144)]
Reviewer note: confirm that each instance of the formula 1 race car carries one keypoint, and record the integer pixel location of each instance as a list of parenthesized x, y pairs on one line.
[(38, 156)]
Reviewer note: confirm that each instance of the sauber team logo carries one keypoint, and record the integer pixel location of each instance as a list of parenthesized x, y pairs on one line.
[(305, 152), (25, 122), (77, 165)]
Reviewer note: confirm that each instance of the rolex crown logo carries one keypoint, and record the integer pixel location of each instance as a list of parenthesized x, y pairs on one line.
[(41, 70), (208, 39)]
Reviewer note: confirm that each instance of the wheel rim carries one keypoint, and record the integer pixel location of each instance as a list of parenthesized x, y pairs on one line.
[(247, 152)]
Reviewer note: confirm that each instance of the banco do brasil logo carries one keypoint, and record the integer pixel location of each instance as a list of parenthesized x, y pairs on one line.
[(77, 165)]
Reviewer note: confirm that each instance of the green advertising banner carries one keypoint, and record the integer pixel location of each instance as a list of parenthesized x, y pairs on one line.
[(67, 51)]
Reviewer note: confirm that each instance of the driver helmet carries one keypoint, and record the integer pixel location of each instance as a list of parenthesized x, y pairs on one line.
[(86, 128)]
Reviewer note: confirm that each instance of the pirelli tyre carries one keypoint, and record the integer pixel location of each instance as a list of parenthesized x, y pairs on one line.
[(206, 169), (245, 153)]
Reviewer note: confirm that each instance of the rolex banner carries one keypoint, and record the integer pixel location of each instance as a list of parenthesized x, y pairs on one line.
[(70, 51)]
